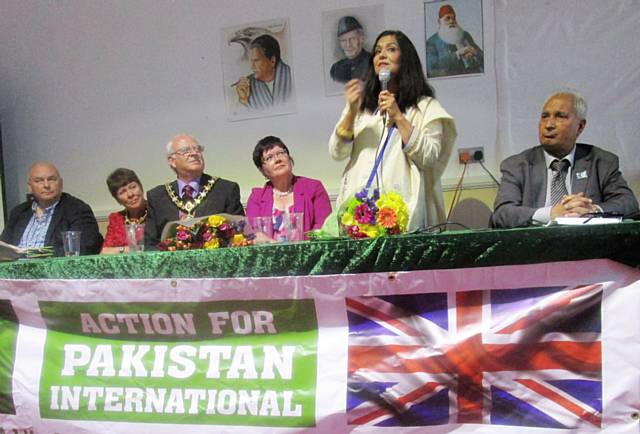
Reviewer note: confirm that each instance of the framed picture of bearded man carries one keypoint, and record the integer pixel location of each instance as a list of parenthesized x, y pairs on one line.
[(454, 38)]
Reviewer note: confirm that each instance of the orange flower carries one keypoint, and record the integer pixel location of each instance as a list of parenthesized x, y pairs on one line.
[(387, 218)]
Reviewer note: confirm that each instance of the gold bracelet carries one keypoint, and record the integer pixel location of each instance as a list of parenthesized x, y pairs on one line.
[(343, 133)]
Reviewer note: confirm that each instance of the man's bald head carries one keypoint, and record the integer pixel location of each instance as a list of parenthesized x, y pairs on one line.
[(45, 183)]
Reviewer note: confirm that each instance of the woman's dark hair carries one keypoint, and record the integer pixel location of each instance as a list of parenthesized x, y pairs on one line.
[(266, 144), (411, 81), (119, 178)]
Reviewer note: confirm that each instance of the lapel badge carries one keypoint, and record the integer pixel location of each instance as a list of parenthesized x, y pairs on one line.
[(581, 175)]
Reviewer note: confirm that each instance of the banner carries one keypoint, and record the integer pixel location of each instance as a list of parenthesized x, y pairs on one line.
[(531, 348), (221, 363)]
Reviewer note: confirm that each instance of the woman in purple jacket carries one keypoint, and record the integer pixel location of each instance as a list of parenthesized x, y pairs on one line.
[(285, 193)]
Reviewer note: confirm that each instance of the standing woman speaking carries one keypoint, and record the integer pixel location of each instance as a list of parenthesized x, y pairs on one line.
[(396, 134)]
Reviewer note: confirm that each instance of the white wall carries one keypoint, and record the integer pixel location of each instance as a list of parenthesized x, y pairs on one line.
[(589, 45), (94, 85)]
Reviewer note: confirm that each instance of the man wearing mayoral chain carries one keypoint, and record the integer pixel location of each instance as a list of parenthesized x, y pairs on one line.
[(192, 194)]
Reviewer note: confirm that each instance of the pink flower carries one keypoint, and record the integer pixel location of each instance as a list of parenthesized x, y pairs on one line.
[(354, 232), (393, 231), (213, 232), (363, 214)]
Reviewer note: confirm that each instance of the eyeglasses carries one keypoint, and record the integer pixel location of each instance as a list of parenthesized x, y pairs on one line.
[(273, 157), (186, 150)]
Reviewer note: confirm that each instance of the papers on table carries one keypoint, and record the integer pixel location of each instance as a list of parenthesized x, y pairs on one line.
[(586, 220), (9, 252)]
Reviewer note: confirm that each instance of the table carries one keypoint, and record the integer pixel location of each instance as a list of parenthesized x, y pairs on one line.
[(424, 251)]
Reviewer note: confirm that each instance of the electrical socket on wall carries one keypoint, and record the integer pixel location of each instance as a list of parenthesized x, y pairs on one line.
[(471, 155)]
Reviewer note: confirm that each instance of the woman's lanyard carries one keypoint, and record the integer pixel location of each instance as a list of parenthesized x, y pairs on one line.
[(379, 159)]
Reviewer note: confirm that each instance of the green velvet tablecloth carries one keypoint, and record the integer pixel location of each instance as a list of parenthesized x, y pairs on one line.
[(454, 249)]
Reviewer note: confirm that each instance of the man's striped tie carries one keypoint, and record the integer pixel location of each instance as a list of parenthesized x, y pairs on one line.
[(558, 185)]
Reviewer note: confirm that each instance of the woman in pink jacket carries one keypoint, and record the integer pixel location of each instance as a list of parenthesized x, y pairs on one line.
[(285, 193)]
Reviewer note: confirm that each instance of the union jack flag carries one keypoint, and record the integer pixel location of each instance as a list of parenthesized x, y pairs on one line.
[(521, 357)]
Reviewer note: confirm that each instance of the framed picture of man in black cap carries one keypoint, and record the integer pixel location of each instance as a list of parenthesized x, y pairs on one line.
[(348, 35), (356, 58)]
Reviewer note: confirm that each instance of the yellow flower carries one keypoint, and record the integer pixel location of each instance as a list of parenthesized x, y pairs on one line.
[(396, 203), (238, 240), (372, 231), (403, 218), (213, 243), (215, 220), (347, 219), (391, 200)]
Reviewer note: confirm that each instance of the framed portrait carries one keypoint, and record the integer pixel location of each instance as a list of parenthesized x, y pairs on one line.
[(257, 76), (454, 38), (348, 36)]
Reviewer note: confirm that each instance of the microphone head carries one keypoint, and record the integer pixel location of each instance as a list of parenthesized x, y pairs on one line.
[(384, 76)]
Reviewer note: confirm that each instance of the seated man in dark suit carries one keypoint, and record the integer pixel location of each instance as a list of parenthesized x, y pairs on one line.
[(560, 178), (39, 221), (193, 194)]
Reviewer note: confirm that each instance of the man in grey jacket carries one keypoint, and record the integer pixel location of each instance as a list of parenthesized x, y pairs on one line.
[(559, 177)]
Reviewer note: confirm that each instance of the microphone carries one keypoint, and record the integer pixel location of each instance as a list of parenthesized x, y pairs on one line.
[(384, 76)]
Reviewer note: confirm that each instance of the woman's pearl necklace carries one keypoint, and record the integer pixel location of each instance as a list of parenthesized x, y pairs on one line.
[(282, 193)]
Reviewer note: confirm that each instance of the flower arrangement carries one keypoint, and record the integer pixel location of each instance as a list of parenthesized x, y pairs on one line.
[(209, 233), (365, 216)]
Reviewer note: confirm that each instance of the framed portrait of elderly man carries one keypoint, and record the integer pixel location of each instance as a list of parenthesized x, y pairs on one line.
[(257, 76), (348, 35), (454, 33)]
